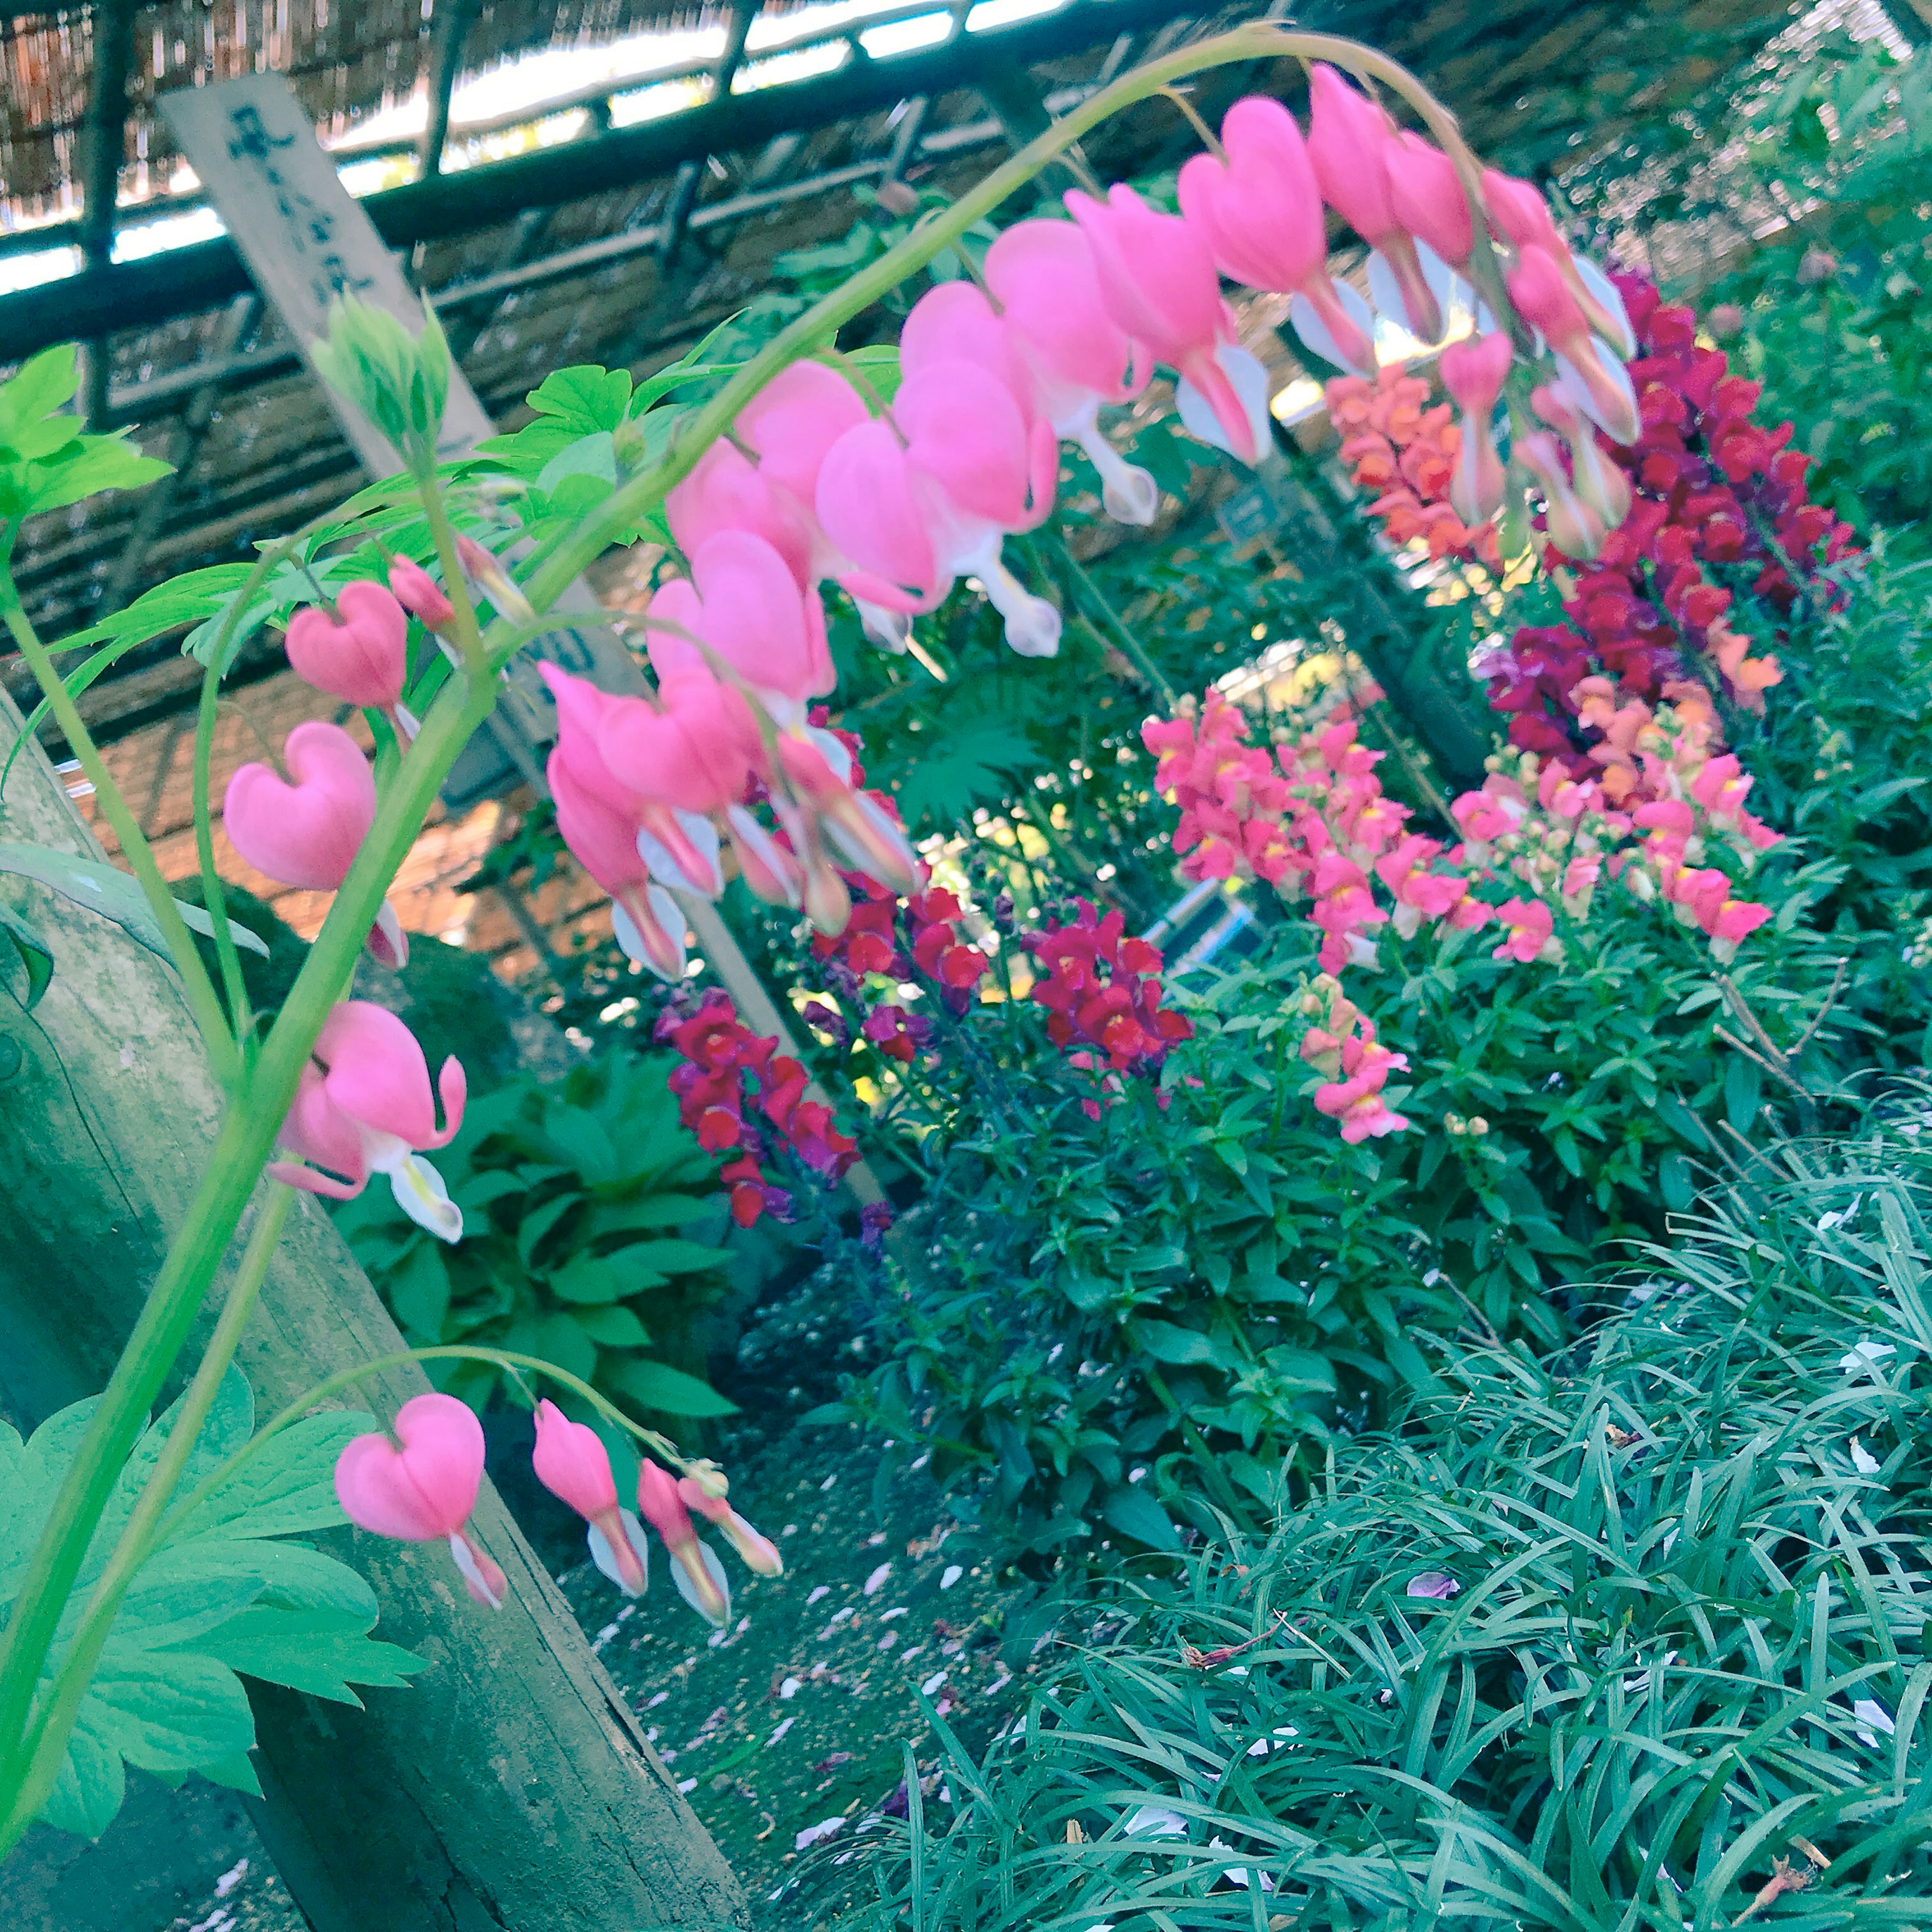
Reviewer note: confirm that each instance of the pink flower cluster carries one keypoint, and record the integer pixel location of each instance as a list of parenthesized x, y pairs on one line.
[(722, 1056), (419, 1483), (1720, 508), (1406, 454), (1102, 991), (1311, 817), (1340, 1043)]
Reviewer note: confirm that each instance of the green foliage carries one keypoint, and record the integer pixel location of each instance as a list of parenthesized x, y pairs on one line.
[(47, 460), (21, 943), (399, 380), (227, 1593), (1679, 1646), (576, 1198), (112, 893), (1831, 275)]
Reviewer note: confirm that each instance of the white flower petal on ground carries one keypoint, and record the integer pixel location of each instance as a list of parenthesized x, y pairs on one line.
[(876, 1582), (812, 1834), (1864, 1356), (1872, 1717), (1863, 1460), (1155, 1821)]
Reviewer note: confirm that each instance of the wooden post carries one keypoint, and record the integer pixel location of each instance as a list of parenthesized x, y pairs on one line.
[(509, 1789)]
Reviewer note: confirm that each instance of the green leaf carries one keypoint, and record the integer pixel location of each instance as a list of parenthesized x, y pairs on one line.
[(586, 1280), (41, 385), (669, 1257), (220, 1596), (321, 1652), (540, 1221), (27, 945), (114, 894), (670, 1391), (285, 1488), (612, 1328), (85, 467), (1131, 1511), (1167, 1342), (417, 1290)]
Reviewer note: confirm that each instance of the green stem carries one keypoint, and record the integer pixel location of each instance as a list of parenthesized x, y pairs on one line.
[(1124, 640), (247, 1138), (203, 1000), (46, 1743), (455, 581), (213, 900)]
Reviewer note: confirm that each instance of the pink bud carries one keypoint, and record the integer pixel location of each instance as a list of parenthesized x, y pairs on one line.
[(419, 593), (572, 1462), (758, 1553), (306, 834), (1425, 195), (1473, 371), (359, 654), (425, 1490), (699, 1576), (1518, 211)]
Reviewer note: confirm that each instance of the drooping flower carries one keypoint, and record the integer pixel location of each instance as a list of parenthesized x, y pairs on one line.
[(307, 833), (572, 1462), (1262, 212), (359, 653), (708, 1493), (1042, 274), (696, 1570), (1349, 138), (1157, 280), (425, 1490), (420, 594), (364, 1105)]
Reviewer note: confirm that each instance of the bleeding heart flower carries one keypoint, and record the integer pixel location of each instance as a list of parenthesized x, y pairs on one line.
[(1157, 278), (572, 1462), (708, 1494), (1349, 142), (425, 1491), (699, 1576), (1042, 274), (364, 1105), (1261, 210), (360, 653), (420, 594)]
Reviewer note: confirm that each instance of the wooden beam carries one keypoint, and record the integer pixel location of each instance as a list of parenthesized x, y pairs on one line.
[(449, 28), (103, 143), (182, 281)]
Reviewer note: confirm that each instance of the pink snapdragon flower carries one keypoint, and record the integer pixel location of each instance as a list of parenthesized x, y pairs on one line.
[(572, 1462), (424, 1491), (363, 1106), (1527, 926)]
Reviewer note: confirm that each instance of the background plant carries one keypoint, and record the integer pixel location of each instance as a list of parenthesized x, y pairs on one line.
[(1623, 1635)]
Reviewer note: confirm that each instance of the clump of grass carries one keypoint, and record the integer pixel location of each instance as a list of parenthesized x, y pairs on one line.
[(1630, 1637)]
